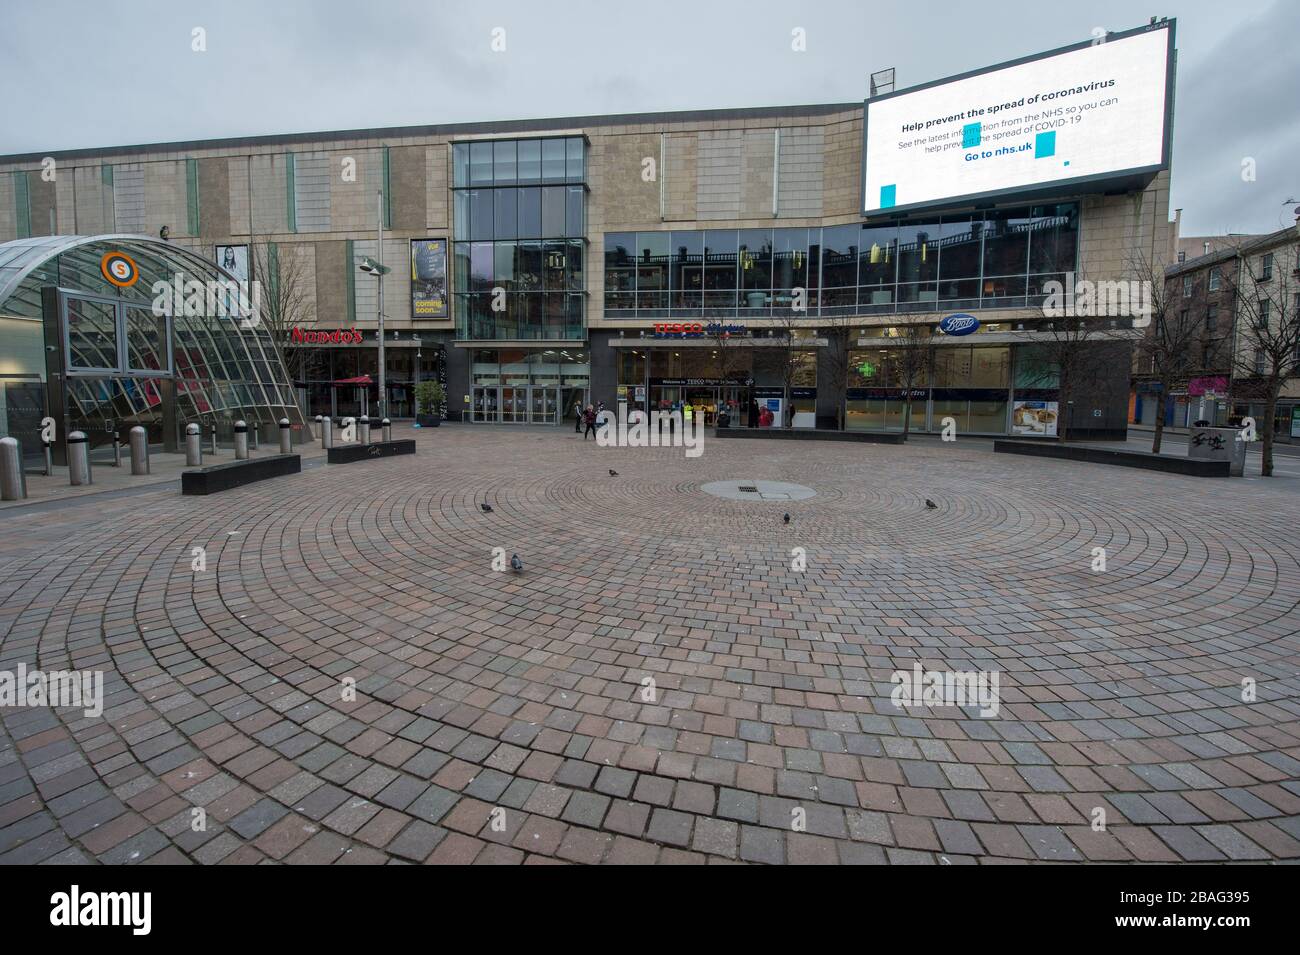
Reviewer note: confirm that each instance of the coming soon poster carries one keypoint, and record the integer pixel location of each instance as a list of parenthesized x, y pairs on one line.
[(428, 278)]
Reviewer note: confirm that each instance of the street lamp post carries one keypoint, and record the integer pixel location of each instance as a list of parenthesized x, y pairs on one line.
[(379, 270), (416, 386), (379, 277)]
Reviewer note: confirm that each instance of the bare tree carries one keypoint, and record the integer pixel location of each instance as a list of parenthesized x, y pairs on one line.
[(913, 356), (1267, 351), (728, 363), (787, 326), (285, 302), (1087, 334), (839, 341), (1168, 346)]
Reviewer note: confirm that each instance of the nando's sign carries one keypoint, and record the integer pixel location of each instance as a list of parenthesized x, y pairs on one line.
[(322, 336)]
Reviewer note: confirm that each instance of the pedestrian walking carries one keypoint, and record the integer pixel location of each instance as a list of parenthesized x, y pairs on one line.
[(589, 419)]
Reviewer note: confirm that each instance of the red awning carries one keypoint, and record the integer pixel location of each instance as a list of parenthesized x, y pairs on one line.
[(363, 380)]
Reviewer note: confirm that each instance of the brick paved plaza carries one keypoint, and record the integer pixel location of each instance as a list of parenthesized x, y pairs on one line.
[(485, 697)]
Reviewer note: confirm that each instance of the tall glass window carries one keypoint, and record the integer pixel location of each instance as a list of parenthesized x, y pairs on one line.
[(839, 263), (686, 273), (755, 260), (520, 242), (620, 271), (480, 164), (503, 162), (530, 161), (720, 267), (652, 270), (878, 268), (790, 268)]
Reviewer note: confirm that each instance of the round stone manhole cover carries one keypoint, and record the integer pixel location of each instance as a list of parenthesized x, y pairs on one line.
[(758, 490)]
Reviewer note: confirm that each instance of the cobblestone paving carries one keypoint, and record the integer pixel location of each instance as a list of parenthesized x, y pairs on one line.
[(1120, 690)]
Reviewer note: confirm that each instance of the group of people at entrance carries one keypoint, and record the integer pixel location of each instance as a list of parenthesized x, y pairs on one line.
[(591, 417)]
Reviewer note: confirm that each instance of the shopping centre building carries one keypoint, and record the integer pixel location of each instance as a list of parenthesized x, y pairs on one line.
[(708, 257)]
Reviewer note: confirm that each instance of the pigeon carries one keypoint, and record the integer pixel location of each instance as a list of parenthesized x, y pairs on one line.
[(516, 564), (930, 504), (786, 518), (613, 473), (486, 508)]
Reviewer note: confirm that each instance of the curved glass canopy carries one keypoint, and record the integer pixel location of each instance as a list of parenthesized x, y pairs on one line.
[(124, 358)]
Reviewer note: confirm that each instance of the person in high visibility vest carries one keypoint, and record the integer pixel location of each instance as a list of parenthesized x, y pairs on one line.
[(686, 411)]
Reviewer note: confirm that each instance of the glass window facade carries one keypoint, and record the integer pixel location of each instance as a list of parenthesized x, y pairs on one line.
[(519, 255), (995, 259)]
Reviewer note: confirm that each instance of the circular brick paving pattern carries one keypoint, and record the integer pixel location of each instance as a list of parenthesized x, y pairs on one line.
[(674, 676)]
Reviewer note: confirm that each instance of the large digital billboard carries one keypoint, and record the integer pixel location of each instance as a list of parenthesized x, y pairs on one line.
[(1083, 114)]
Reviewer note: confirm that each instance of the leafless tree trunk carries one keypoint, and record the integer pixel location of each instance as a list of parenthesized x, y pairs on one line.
[(1267, 351), (839, 341), (284, 283), (914, 357), (1083, 333), (789, 360), (1169, 343)]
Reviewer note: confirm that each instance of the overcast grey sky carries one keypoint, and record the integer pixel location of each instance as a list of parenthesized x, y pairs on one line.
[(111, 72)]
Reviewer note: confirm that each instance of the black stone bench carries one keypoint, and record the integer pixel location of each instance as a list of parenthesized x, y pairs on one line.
[(348, 453), (223, 477), (1194, 467), (813, 434)]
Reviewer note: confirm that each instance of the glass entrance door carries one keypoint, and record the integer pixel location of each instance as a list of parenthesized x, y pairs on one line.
[(486, 403), (514, 405), (543, 404)]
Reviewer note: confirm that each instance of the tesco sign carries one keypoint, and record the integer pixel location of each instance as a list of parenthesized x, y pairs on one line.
[(959, 324)]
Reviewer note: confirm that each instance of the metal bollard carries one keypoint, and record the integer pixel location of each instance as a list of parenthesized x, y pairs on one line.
[(79, 459), (388, 429), (117, 449), (286, 436), (139, 450), (316, 434), (193, 446), (364, 429), (49, 458), (214, 439), (253, 445), (241, 441), (326, 432), (13, 482)]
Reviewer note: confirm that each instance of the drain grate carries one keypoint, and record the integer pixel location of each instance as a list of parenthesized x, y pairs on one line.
[(757, 492)]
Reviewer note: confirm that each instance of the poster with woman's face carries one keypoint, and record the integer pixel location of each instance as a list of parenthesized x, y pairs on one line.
[(234, 259)]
